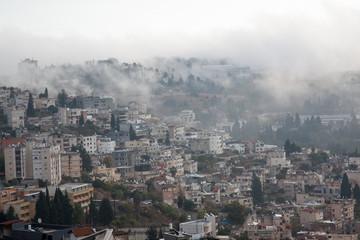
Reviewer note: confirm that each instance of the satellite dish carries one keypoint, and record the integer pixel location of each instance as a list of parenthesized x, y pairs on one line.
[(39, 220)]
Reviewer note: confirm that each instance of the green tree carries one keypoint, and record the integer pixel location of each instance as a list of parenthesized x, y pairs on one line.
[(356, 193), (345, 190), (10, 213), (105, 212), (67, 209), (201, 214), (78, 216), (281, 174), (256, 190), (42, 209), (236, 212), (132, 133), (81, 121), (93, 213), (167, 138), (116, 195), (52, 109), (287, 147), (161, 234), (112, 122), (109, 161), (151, 233), (137, 200), (189, 205), (173, 171), (224, 231), (62, 98), (30, 111), (243, 236)]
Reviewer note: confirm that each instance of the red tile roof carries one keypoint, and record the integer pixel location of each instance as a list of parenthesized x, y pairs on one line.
[(80, 232), (11, 222)]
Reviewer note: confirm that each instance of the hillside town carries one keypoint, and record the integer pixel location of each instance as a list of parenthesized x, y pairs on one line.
[(87, 167)]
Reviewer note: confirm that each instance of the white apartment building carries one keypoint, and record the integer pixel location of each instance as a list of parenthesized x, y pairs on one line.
[(15, 161), (89, 143), (46, 163), (187, 116), (212, 144), (277, 159), (200, 228), (16, 117), (105, 145)]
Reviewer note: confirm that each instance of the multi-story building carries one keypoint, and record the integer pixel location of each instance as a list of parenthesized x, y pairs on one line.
[(175, 161), (89, 143), (8, 195), (309, 178), (170, 194), (71, 164), (187, 116), (328, 190), (16, 117), (277, 159), (71, 116), (22, 209), (339, 209), (200, 228), (105, 145), (15, 161), (46, 163), (97, 102), (211, 144)]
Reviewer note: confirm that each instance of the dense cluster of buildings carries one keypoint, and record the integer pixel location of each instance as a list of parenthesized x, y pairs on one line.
[(137, 146)]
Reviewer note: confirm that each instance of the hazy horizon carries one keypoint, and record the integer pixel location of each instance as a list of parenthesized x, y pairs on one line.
[(295, 37)]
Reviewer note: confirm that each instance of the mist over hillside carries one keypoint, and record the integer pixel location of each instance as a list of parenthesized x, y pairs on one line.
[(243, 90)]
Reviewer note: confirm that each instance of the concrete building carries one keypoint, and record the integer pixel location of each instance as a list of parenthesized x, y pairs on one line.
[(105, 145), (308, 215), (89, 143), (212, 144), (16, 117), (277, 159), (71, 116), (71, 164), (97, 102), (187, 116), (16, 160), (200, 228), (46, 163), (170, 194)]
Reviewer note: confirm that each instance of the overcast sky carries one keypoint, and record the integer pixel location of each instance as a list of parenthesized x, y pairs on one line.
[(302, 36)]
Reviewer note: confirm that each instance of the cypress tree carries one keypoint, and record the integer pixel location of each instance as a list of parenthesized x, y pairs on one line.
[(167, 138), (345, 191), (30, 111), (46, 94), (42, 209), (113, 123), (257, 191), (105, 212), (81, 121), (132, 133), (356, 192), (68, 209)]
